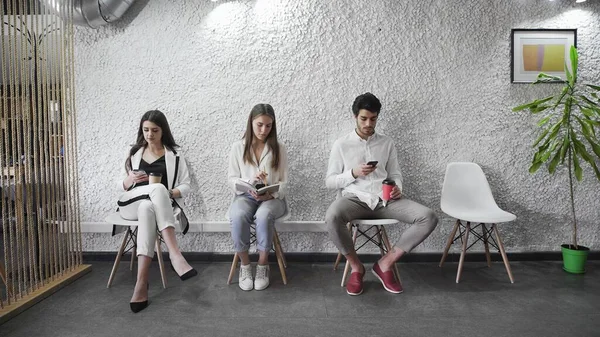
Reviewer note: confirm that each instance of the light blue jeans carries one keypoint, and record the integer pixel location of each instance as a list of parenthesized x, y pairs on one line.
[(244, 211)]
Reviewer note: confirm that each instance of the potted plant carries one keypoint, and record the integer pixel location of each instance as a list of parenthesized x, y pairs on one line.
[(568, 137)]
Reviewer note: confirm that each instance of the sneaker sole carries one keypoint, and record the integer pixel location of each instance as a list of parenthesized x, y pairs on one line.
[(252, 287), (353, 294), (259, 289), (383, 283)]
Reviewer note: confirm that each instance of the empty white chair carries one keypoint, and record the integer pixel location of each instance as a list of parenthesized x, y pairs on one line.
[(466, 196)]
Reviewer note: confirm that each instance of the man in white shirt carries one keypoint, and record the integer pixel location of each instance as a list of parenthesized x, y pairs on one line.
[(360, 185)]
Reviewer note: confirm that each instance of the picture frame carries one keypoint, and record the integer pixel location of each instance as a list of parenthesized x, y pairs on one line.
[(540, 50)]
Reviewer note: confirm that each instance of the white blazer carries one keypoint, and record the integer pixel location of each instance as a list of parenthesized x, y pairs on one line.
[(179, 179)]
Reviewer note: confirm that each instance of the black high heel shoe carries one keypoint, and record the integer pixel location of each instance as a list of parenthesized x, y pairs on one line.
[(189, 274), (139, 306)]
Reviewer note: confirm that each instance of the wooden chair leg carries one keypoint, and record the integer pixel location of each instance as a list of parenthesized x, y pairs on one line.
[(386, 240), (463, 252), (347, 266), (449, 243), (276, 239), (337, 261), (503, 252), (279, 256), (233, 268), (118, 259), (339, 256), (161, 264), (487, 246), (346, 271), (133, 255)]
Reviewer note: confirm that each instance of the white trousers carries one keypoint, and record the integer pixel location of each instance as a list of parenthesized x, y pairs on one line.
[(151, 206)]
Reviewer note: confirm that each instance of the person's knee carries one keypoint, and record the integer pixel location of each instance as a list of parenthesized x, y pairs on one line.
[(430, 219), (159, 189), (264, 217), (239, 217), (145, 208), (333, 217)]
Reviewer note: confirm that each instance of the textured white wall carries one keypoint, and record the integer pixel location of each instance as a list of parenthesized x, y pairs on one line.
[(441, 69)]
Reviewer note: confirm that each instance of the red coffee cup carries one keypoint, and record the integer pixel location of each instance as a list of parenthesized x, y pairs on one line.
[(388, 186)]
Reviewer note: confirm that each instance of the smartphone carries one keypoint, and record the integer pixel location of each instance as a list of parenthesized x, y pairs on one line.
[(372, 163), (139, 172)]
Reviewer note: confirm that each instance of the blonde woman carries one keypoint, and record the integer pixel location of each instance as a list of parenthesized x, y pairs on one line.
[(259, 158)]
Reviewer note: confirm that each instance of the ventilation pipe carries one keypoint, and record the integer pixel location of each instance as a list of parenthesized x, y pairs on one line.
[(91, 13)]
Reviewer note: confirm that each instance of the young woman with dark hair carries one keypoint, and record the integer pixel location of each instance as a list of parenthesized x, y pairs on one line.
[(158, 205)]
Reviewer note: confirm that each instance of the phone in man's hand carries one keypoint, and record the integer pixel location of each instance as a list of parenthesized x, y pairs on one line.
[(372, 163)]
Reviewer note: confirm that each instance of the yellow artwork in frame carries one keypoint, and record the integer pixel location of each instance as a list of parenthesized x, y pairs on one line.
[(540, 50)]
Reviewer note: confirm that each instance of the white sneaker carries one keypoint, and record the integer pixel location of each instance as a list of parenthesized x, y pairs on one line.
[(246, 283), (261, 281)]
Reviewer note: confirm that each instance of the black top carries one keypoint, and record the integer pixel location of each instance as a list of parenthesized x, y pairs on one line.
[(158, 166)]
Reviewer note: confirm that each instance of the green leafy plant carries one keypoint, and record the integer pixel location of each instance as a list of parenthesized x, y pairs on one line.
[(569, 124)]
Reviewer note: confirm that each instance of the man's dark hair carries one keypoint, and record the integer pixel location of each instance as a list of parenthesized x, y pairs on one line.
[(366, 101)]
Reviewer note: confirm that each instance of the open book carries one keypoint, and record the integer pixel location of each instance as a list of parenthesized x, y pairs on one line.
[(244, 187)]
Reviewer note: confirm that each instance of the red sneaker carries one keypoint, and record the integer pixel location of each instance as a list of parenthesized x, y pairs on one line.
[(387, 279), (355, 283)]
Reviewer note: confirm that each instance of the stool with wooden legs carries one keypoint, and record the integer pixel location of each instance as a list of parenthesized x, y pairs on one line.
[(129, 243), (281, 261), (466, 196), (378, 236)]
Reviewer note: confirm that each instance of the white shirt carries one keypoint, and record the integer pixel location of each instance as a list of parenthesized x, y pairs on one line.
[(351, 151), (239, 170)]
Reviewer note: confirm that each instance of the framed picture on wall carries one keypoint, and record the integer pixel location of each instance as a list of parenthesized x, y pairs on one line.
[(535, 51)]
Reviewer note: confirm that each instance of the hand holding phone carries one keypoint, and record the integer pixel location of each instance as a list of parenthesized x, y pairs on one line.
[(139, 172), (134, 177), (139, 176), (364, 169)]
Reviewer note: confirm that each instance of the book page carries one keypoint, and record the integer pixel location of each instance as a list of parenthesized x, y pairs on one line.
[(270, 188), (243, 187)]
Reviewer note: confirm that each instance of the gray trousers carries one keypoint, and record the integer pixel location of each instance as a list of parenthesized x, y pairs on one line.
[(244, 211), (346, 209)]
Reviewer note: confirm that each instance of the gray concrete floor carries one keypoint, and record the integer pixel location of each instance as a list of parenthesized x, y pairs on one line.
[(543, 301)]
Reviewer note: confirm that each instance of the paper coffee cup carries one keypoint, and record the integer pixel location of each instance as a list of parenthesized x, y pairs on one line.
[(154, 178), (387, 186)]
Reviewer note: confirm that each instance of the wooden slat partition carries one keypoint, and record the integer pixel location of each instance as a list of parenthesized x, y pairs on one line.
[(40, 236)]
